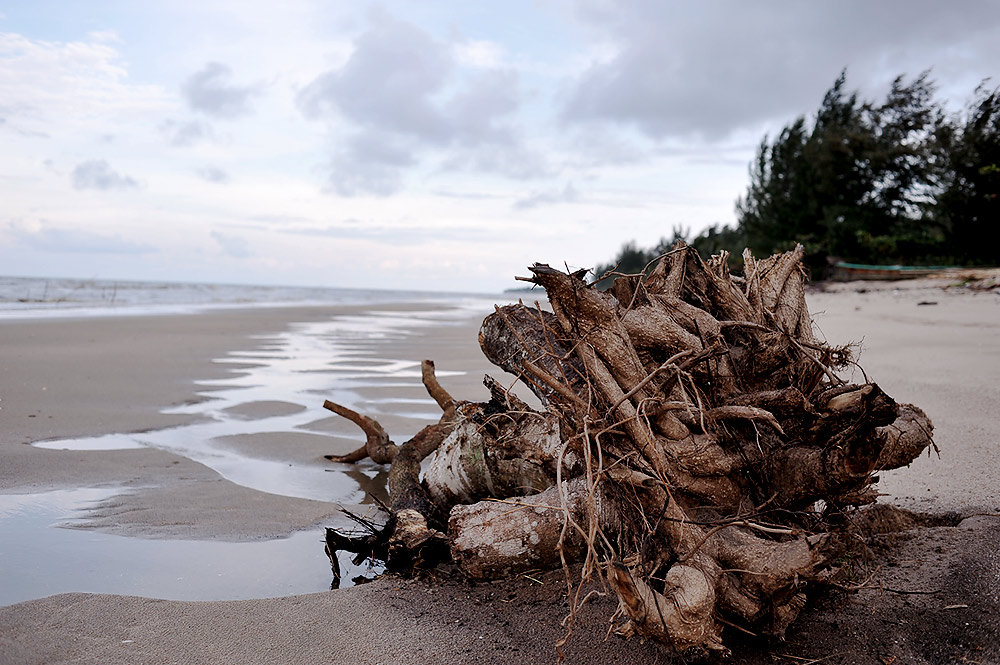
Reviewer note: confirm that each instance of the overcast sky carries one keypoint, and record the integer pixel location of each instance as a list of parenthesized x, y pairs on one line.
[(427, 144)]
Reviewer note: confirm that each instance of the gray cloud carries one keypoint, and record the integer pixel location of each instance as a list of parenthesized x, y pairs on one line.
[(78, 241), (208, 90), (369, 163), (483, 140), (706, 70), (408, 99), (98, 174), (232, 245), (600, 145), (567, 194), (388, 82), (478, 109), (213, 174), (186, 133)]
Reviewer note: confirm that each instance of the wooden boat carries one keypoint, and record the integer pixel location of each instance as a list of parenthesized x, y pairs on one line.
[(845, 272)]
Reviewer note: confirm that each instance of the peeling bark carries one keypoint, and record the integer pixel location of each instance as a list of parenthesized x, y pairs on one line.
[(691, 423)]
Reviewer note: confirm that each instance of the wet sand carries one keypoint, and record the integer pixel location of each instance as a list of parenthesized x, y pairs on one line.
[(87, 377)]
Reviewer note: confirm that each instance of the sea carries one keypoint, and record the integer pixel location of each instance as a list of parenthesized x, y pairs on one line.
[(36, 297)]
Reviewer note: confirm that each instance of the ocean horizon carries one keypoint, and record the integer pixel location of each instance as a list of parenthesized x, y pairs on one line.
[(44, 297)]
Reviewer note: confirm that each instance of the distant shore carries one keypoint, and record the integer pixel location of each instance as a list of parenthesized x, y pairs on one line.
[(939, 349)]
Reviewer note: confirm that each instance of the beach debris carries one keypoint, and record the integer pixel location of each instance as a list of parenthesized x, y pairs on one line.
[(696, 450)]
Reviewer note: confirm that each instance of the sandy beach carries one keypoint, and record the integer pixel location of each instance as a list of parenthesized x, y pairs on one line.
[(227, 376)]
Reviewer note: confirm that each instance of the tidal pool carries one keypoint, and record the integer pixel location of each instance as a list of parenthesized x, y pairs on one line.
[(42, 553), (272, 390)]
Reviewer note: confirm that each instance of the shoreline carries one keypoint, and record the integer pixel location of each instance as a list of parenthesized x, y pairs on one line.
[(89, 377), (118, 374)]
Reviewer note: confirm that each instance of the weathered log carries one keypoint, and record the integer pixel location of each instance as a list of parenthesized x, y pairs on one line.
[(691, 421), (377, 444), (497, 538), (905, 438), (410, 536), (526, 343)]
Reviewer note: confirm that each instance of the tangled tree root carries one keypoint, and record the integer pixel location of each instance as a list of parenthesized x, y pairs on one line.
[(696, 448)]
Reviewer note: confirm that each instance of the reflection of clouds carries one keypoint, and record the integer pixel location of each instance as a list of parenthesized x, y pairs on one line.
[(62, 502), (170, 569), (341, 359)]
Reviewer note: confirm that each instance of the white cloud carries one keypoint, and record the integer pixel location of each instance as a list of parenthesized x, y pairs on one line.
[(105, 36), (515, 160), (232, 245), (396, 234), (79, 241), (480, 53), (14, 127), (49, 84)]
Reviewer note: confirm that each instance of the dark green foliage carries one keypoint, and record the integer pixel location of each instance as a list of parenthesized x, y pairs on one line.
[(632, 260), (894, 182), (717, 238), (968, 209), (882, 183)]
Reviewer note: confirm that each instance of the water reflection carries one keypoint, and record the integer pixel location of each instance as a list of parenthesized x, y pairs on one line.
[(37, 560), (242, 424), (275, 389)]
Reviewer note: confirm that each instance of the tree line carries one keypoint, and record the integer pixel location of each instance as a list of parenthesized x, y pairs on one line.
[(897, 181)]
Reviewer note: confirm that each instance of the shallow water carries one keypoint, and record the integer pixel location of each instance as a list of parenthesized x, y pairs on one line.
[(297, 369), (40, 556), (272, 390)]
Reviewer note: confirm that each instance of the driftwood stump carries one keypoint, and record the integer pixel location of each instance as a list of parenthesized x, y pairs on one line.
[(697, 449)]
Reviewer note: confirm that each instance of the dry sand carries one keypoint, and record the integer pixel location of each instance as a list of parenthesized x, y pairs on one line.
[(935, 600)]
